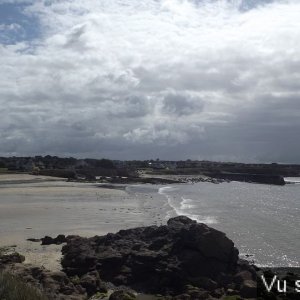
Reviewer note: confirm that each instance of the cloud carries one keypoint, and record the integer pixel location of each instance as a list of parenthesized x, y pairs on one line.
[(172, 79)]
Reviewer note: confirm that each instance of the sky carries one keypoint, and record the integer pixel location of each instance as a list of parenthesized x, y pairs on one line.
[(146, 79)]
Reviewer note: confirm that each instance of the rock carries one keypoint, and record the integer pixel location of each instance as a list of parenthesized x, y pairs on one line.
[(12, 258), (199, 294), (34, 240), (60, 239), (218, 293), (232, 292), (155, 259), (180, 220), (204, 283), (182, 297), (122, 295), (47, 240), (92, 284), (249, 289), (242, 276), (58, 276)]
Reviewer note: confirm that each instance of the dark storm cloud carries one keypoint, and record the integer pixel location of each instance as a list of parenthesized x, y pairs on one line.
[(181, 104), (170, 78)]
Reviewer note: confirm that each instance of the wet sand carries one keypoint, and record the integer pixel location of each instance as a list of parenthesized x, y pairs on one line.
[(34, 206)]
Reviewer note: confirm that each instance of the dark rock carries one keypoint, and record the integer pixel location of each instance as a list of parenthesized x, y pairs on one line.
[(34, 240), (47, 240), (122, 295), (231, 286), (182, 297), (218, 293), (58, 276), (92, 284), (232, 292), (60, 239), (249, 289), (12, 258), (155, 259), (199, 294), (242, 276), (196, 293), (205, 283), (180, 220)]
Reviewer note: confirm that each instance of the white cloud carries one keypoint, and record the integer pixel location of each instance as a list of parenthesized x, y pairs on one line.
[(127, 73)]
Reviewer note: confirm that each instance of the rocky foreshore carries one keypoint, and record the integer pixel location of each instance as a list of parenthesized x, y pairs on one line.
[(180, 260), (163, 179)]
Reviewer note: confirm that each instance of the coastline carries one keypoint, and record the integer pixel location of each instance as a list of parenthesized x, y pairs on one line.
[(87, 209), (180, 260), (32, 207)]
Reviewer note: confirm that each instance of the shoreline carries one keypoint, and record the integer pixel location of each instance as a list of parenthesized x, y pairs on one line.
[(29, 212), (87, 209), (133, 258)]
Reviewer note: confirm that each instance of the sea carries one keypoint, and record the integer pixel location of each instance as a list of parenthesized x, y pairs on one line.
[(262, 220)]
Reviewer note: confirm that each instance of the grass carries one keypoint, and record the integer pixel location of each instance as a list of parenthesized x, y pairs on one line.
[(12, 288)]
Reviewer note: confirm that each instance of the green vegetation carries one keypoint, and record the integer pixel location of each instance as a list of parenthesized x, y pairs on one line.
[(12, 288)]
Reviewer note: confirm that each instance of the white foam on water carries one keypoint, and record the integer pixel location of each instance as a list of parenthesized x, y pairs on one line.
[(163, 191), (294, 180), (185, 204), (204, 219)]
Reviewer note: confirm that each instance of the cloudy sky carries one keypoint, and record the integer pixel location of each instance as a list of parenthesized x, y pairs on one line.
[(138, 79)]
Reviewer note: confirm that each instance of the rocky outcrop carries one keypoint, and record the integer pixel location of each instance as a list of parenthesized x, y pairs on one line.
[(180, 260), (47, 240), (166, 259), (254, 178)]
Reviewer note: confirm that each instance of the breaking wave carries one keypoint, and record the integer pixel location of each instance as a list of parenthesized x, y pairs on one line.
[(182, 206)]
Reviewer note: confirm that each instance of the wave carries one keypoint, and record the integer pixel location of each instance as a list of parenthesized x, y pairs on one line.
[(187, 203), (183, 207), (294, 180), (165, 189)]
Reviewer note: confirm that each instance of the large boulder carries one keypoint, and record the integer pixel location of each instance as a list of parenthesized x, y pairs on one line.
[(155, 259)]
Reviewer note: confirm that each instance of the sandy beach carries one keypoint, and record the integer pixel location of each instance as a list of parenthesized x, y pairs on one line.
[(35, 206)]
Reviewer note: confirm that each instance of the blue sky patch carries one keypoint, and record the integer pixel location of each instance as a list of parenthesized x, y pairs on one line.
[(15, 25), (250, 4)]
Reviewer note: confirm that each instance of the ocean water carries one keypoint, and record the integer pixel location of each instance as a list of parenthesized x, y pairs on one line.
[(262, 220)]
